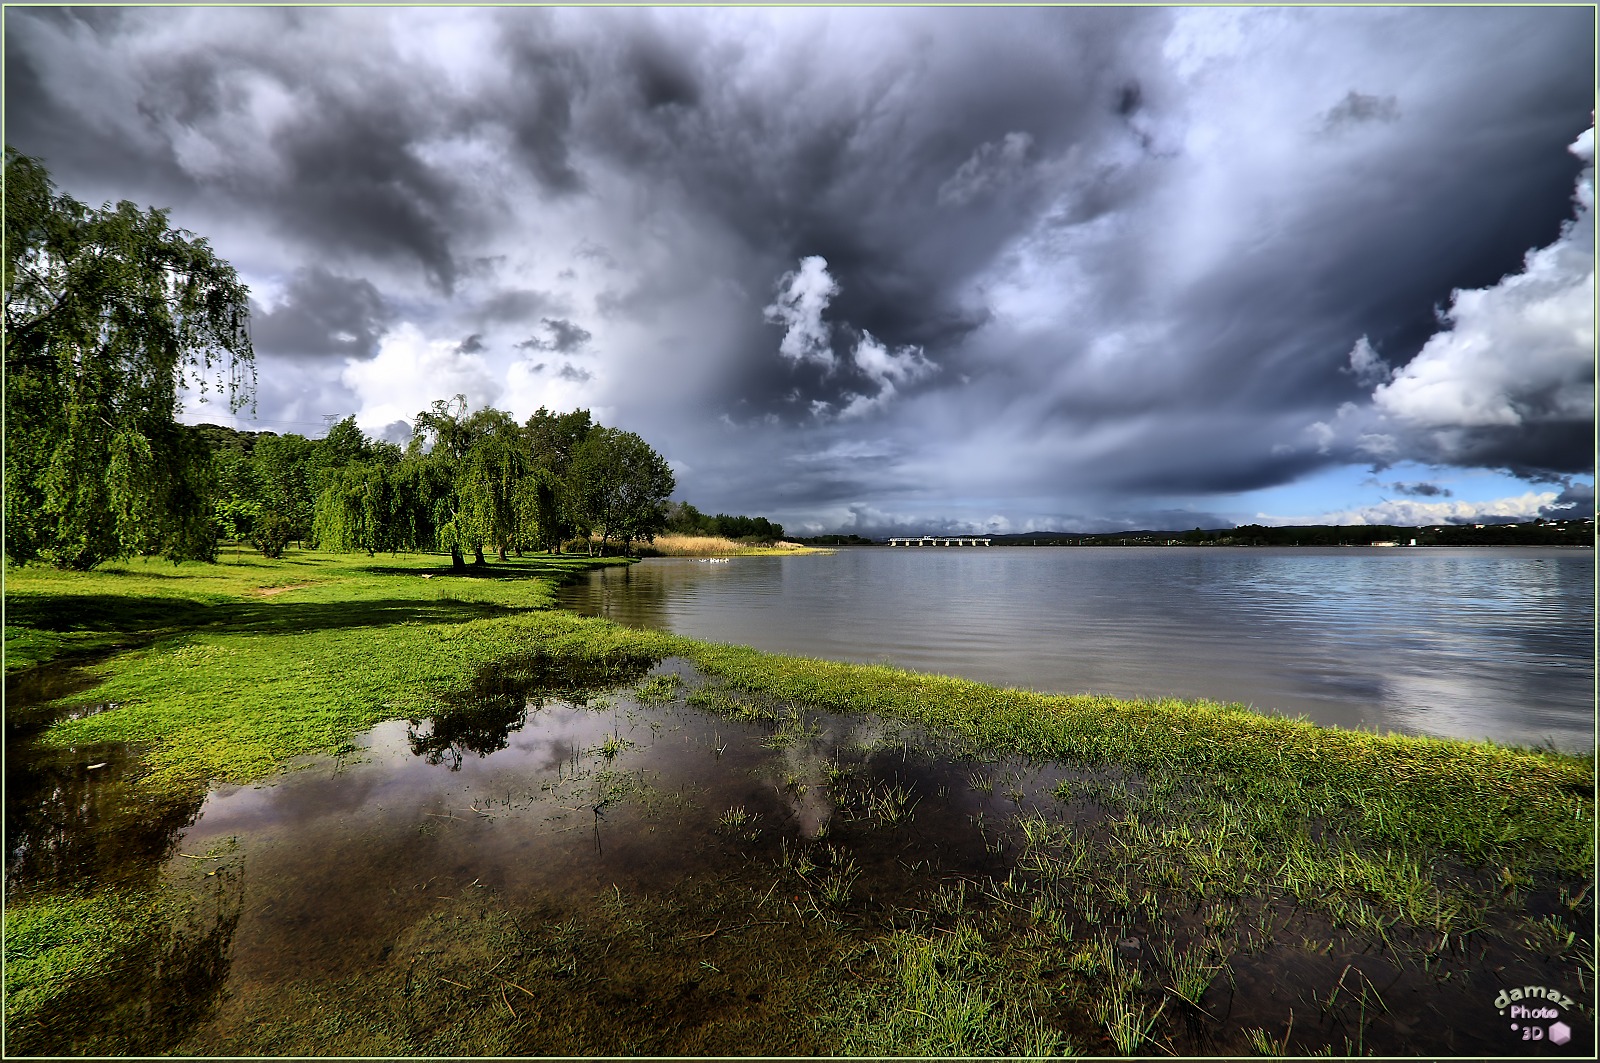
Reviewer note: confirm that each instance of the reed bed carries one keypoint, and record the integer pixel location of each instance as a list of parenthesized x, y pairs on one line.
[(714, 546)]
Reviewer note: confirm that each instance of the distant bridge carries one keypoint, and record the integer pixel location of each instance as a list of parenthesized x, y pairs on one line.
[(936, 540)]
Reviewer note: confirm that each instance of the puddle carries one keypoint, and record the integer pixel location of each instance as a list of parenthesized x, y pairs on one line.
[(75, 816), (568, 862), (564, 803)]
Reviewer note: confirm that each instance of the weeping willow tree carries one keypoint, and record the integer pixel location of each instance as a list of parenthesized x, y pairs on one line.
[(108, 313), (356, 511), (497, 463)]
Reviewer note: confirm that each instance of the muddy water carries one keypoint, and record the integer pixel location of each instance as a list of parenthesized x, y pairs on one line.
[(584, 801), (554, 866)]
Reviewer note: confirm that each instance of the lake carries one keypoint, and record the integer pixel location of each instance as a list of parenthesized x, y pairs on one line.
[(1481, 642)]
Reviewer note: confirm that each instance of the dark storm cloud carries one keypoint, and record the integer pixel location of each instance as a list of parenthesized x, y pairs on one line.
[(661, 75), (562, 336), (1543, 453), (1421, 490), (397, 432), (847, 173), (356, 182), (545, 78), (514, 306), (1575, 502), (345, 177), (1225, 463), (322, 315), (1356, 108), (45, 122), (1075, 249)]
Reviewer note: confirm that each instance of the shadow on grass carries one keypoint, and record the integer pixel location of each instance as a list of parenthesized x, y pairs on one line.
[(144, 617), (528, 568)]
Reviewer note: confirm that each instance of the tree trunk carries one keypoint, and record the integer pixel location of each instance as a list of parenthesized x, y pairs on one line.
[(477, 555), (456, 560), (502, 551)]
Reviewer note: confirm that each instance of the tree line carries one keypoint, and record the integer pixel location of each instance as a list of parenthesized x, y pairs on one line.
[(466, 482), (110, 313), (684, 519)]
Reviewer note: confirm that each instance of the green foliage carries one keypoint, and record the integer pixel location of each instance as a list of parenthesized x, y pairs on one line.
[(355, 511), (684, 519), (620, 486), (282, 476), (271, 534), (107, 312), (491, 473), (545, 505)]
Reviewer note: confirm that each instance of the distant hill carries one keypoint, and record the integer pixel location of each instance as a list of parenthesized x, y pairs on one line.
[(1531, 533)]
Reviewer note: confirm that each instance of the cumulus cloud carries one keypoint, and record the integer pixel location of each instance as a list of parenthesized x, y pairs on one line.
[(1507, 382), (1519, 352), (409, 372), (1403, 513), (803, 295), (887, 369)]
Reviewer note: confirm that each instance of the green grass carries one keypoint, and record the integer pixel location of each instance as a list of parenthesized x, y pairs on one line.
[(945, 996), (65, 956), (228, 684), (1266, 779)]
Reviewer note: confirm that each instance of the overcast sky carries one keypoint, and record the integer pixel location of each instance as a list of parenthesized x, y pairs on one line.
[(888, 270)]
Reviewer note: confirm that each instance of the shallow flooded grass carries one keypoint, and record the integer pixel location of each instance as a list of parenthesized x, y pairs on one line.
[(558, 837)]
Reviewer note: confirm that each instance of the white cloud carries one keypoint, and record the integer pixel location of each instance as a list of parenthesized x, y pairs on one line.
[(887, 368), (1518, 352), (1368, 366), (802, 297), (409, 372), (1405, 513)]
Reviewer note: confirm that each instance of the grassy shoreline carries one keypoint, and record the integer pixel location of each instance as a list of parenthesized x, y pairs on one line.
[(226, 673)]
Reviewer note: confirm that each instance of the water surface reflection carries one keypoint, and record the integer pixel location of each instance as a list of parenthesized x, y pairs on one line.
[(1473, 643)]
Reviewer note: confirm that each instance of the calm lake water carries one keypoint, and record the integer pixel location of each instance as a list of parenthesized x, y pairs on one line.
[(1472, 642)]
